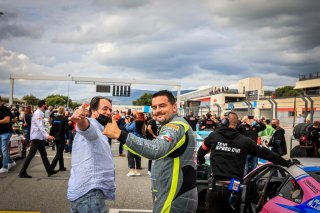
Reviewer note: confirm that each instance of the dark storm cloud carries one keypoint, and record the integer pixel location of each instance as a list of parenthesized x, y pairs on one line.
[(13, 24), (120, 4), (292, 26), (299, 19)]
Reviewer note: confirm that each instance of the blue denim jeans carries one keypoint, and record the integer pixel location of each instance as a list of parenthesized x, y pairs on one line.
[(93, 202), (4, 148)]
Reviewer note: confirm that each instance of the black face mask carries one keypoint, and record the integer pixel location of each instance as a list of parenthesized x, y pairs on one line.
[(103, 120), (274, 126)]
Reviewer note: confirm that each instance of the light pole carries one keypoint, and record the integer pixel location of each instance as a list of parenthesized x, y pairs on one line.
[(68, 92)]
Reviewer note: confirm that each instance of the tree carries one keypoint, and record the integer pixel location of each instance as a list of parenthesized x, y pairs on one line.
[(73, 105), (287, 91), (144, 100), (60, 100), (31, 99), (57, 100)]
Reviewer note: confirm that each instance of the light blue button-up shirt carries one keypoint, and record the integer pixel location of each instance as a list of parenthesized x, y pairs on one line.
[(92, 163)]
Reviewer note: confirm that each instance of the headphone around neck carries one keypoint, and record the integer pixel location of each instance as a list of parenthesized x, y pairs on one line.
[(225, 122)]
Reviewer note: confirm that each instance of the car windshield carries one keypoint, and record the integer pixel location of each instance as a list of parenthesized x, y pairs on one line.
[(314, 172)]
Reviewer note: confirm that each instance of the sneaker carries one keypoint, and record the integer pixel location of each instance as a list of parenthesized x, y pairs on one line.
[(131, 173), (3, 170), (63, 169), (11, 165), (136, 173), (122, 155), (149, 173)]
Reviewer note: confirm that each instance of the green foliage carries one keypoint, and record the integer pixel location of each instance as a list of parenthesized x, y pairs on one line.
[(60, 100), (31, 100), (73, 105), (144, 100), (56, 100), (287, 91)]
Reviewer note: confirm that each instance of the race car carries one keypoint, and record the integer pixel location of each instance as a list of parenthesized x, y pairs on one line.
[(272, 188), (17, 147)]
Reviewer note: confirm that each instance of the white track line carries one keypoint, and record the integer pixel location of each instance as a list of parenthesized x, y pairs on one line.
[(128, 210)]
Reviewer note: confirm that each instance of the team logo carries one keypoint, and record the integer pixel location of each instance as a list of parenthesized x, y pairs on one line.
[(172, 127)]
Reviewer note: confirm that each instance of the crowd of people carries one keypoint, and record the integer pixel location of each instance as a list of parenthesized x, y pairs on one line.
[(218, 90), (34, 124), (163, 137)]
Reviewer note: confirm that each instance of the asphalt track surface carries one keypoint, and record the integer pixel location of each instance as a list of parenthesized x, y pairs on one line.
[(48, 194)]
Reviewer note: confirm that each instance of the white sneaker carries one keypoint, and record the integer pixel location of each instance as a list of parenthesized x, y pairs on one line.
[(149, 173), (136, 173), (130, 173), (11, 165), (3, 170)]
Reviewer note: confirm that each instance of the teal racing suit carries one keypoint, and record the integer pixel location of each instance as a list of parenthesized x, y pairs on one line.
[(173, 173)]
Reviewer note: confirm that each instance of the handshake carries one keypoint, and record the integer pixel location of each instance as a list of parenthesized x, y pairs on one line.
[(291, 162)]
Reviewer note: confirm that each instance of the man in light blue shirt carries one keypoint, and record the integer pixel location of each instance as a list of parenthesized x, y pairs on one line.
[(92, 178)]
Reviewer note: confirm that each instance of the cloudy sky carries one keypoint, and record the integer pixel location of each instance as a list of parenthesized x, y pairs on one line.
[(195, 42)]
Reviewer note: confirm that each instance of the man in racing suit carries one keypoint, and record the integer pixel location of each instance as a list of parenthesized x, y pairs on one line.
[(173, 172), (229, 150)]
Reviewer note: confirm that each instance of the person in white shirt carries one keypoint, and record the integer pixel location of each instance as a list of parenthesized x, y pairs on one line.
[(38, 135)]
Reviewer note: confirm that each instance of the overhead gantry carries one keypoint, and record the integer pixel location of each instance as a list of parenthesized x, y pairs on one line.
[(90, 80)]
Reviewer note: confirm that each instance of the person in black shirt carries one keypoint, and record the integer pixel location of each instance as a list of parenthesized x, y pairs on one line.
[(229, 150), (71, 133), (192, 120), (152, 129), (59, 131), (5, 135), (26, 128), (15, 112), (208, 124), (121, 124), (278, 140)]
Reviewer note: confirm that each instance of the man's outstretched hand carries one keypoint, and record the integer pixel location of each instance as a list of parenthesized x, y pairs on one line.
[(111, 130), (79, 117), (79, 114)]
